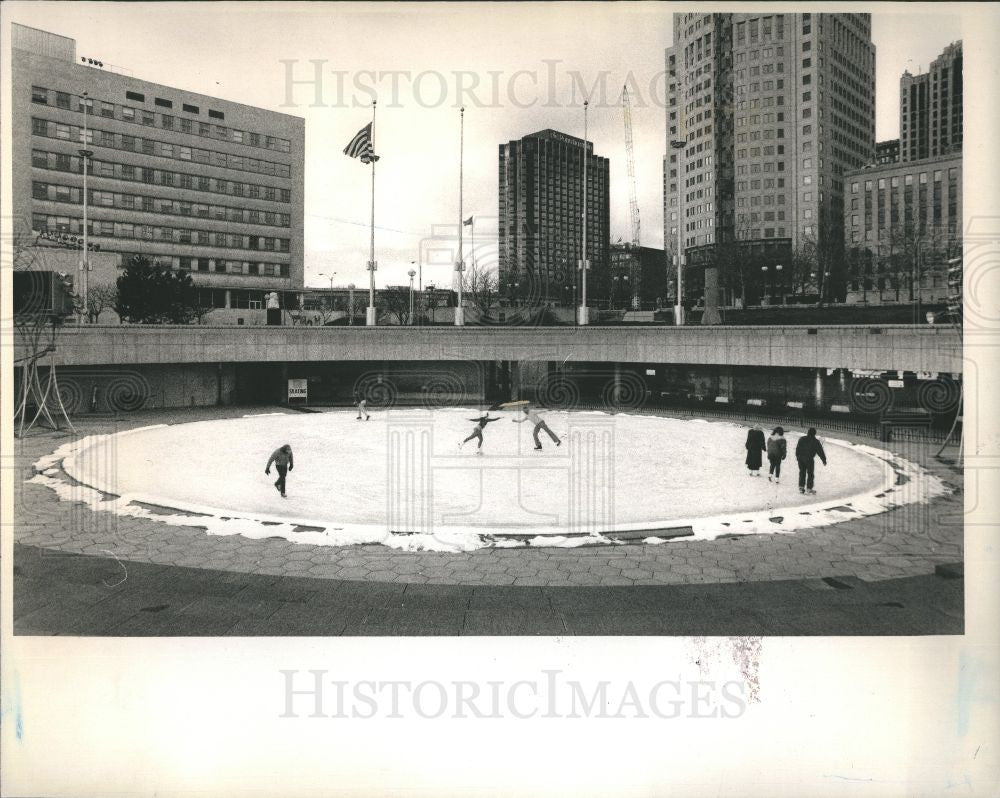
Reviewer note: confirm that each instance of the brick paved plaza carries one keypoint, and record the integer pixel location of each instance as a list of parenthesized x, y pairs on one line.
[(741, 584)]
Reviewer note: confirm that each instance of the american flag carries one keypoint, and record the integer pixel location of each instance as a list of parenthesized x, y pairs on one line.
[(361, 145)]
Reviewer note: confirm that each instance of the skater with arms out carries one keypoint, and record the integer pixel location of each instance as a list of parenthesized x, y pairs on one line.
[(529, 414), (477, 431)]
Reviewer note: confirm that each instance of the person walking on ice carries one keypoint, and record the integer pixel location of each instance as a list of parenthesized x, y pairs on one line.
[(477, 431), (755, 447), (282, 459), (777, 450), (362, 404), (529, 414), (806, 451)]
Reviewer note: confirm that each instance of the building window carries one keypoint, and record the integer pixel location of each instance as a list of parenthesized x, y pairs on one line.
[(166, 122), (191, 109), (163, 103), (128, 114), (134, 95), (216, 114), (62, 100), (39, 95)]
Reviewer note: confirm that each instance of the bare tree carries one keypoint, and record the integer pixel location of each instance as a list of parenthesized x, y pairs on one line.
[(394, 300), (736, 268), (100, 297), (26, 253), (482, 286), (803, 270)]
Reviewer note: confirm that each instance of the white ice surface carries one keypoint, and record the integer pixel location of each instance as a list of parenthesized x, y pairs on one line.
[(611, 473)]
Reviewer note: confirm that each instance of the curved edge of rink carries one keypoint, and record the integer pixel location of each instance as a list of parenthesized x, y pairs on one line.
[(905, 483)]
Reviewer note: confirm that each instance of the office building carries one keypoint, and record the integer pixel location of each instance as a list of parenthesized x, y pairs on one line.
[(765, 114), (930, 108), (201, 184), (541, 216), (887, 152), (903, 222), (638, 277)]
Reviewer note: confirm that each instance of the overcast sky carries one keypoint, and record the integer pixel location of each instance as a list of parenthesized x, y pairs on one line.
[(529, 61)]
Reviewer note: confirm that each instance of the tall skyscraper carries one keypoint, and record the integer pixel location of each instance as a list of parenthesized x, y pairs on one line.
[(541, 217), (930, 108), (197, 183), (765, 114)]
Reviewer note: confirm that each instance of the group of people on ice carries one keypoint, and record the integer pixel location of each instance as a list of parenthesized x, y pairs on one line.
[(283, 461), (807, 449), (775, 447)]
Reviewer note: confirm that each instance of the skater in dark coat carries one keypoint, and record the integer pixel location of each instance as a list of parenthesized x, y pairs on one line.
[(777, 450), (806, 451), (283, 461), (755, 447)]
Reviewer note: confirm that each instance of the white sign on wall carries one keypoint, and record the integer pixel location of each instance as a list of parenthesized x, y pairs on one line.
[(298, 389)]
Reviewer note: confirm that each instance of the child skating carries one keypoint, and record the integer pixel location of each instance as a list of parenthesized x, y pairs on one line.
[(283, 461), (477, 431), (529, 414)]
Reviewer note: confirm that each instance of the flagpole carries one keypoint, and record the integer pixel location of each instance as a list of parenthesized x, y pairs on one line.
[(584, 313), (459, 264), (370, 321)]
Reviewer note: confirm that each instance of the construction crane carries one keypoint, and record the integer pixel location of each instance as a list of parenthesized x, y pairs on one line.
[(634, 270)]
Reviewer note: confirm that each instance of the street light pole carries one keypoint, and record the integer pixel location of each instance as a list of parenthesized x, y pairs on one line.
[(330, 275), (371, 317), (584, 317), (85, 260), (411, 273), (420, 277), (680, 145), (460, 263), (350, 302)]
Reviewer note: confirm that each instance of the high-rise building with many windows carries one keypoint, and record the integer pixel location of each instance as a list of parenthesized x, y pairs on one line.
[(200, 184), (930, 108), (765, 114), (541, 218)]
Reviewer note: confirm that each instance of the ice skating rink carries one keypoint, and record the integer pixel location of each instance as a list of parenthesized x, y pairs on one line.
[(402, 472)]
